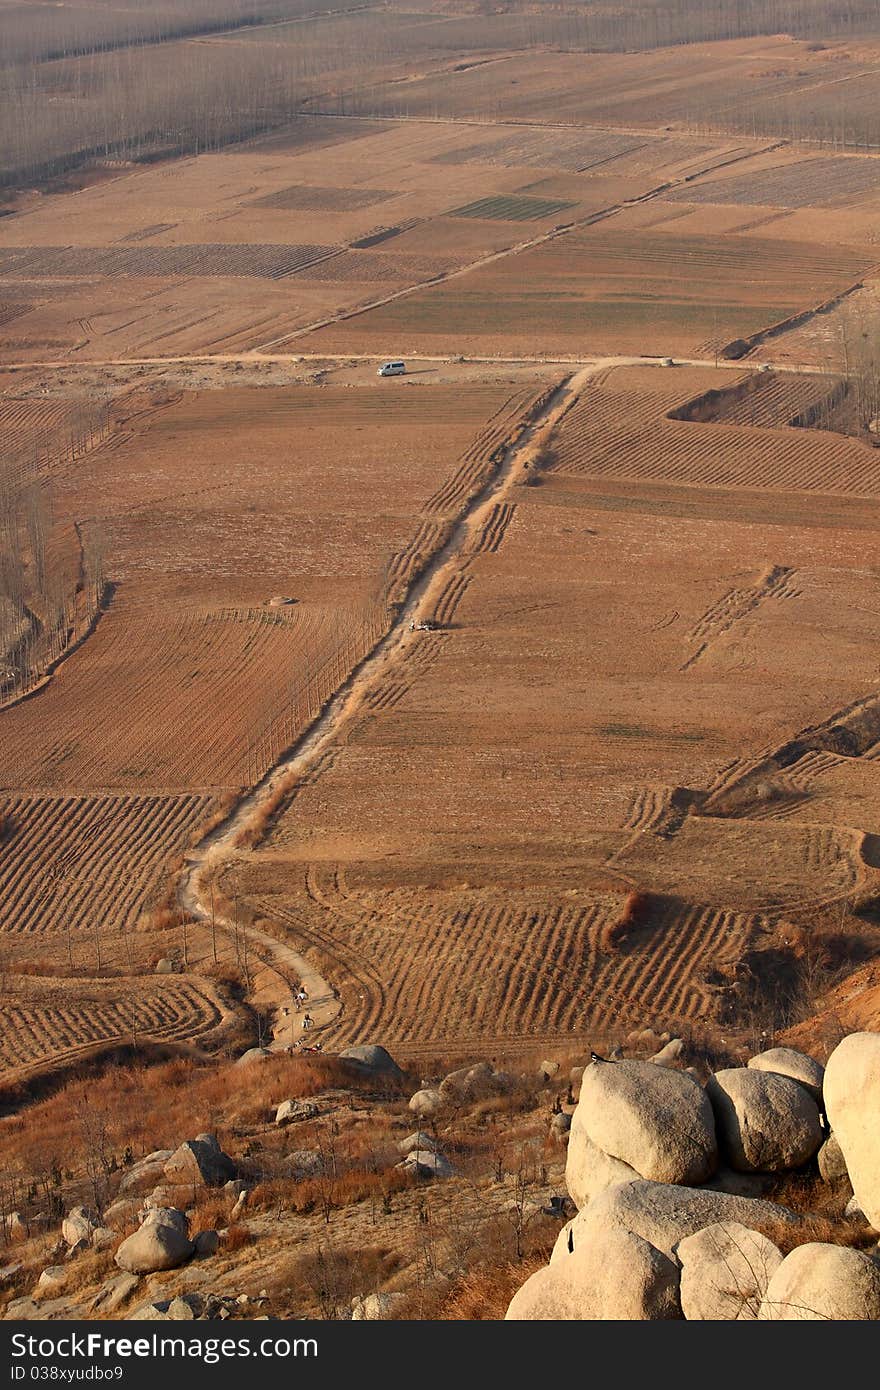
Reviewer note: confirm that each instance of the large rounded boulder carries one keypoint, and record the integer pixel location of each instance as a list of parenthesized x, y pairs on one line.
[(657, 1121), (820, 1283), (663, 1215), (589, 1170), (725, 1271), (765, 1122), (615, 1276), (787, 1061), (852, 1104), (370, 1059), (161, 1243)]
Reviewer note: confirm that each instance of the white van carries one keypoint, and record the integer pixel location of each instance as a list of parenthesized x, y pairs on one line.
[(392, 369)]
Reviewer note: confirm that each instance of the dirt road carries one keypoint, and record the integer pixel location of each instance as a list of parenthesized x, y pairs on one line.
[(206, 860)]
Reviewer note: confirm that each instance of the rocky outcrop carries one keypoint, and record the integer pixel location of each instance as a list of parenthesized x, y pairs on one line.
[(719, 1234), (373, 1307), (664, 1215), (419, 1141), (765, 1122), (725, 1271), (817, 1282), (852, 1104), (797, 1066), (614, 1275), (588, 1170), (656, 1121)]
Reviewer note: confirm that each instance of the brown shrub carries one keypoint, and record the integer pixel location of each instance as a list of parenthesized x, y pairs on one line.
[(636, 908), (237, 1235)]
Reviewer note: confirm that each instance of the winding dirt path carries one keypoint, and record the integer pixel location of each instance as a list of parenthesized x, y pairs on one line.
[(220, 847)]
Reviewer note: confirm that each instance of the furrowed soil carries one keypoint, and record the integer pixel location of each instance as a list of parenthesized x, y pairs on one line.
[(405, 685)]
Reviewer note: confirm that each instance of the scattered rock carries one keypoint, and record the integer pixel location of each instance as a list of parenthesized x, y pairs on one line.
[(114, 1293), (290, 1111), (371, 1059), (52, 1279), (854, 1212), (206, 1243), (419, 1141), (304, 1163), (852, 1104), (124, 1213), (254, 1054), (375, 1306), (548, 1070), (146, 1173), (161, 1243), (422, 1164), (832, 1164), (14, 1227), (613, 1276), (468, 1084), (180, 1311), (820, 1282), (765, 1122), (78, 1225), (427, 1103), (200, 1160), (657, 1121), (560, 1126), (669, 1054), (103, 1238), (664, 1214), (725, 1271), (787, 1061)]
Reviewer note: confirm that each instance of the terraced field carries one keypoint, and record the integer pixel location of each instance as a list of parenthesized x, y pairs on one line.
[(765, 400), (605, 436), (44, 1027), (71, 864)]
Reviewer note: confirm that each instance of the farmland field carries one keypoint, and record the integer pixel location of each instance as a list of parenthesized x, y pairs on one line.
[(412, 682), (600, 290), (405, 882)]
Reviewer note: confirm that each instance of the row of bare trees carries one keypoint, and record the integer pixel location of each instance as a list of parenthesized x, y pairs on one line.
[(52, 578), (112, 93)]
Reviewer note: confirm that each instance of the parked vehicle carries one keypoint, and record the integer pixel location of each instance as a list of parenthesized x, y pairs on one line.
[(396, 368)]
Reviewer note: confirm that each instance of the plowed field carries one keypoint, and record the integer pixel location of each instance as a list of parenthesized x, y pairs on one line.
[(577, 729)]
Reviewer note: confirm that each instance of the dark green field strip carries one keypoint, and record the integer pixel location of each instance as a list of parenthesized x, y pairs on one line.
[(511, 209)]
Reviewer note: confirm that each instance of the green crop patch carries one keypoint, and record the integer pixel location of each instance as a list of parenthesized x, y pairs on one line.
[(510, 209)]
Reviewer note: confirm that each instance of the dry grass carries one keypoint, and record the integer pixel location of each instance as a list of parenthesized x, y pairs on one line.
[(262, 815)]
